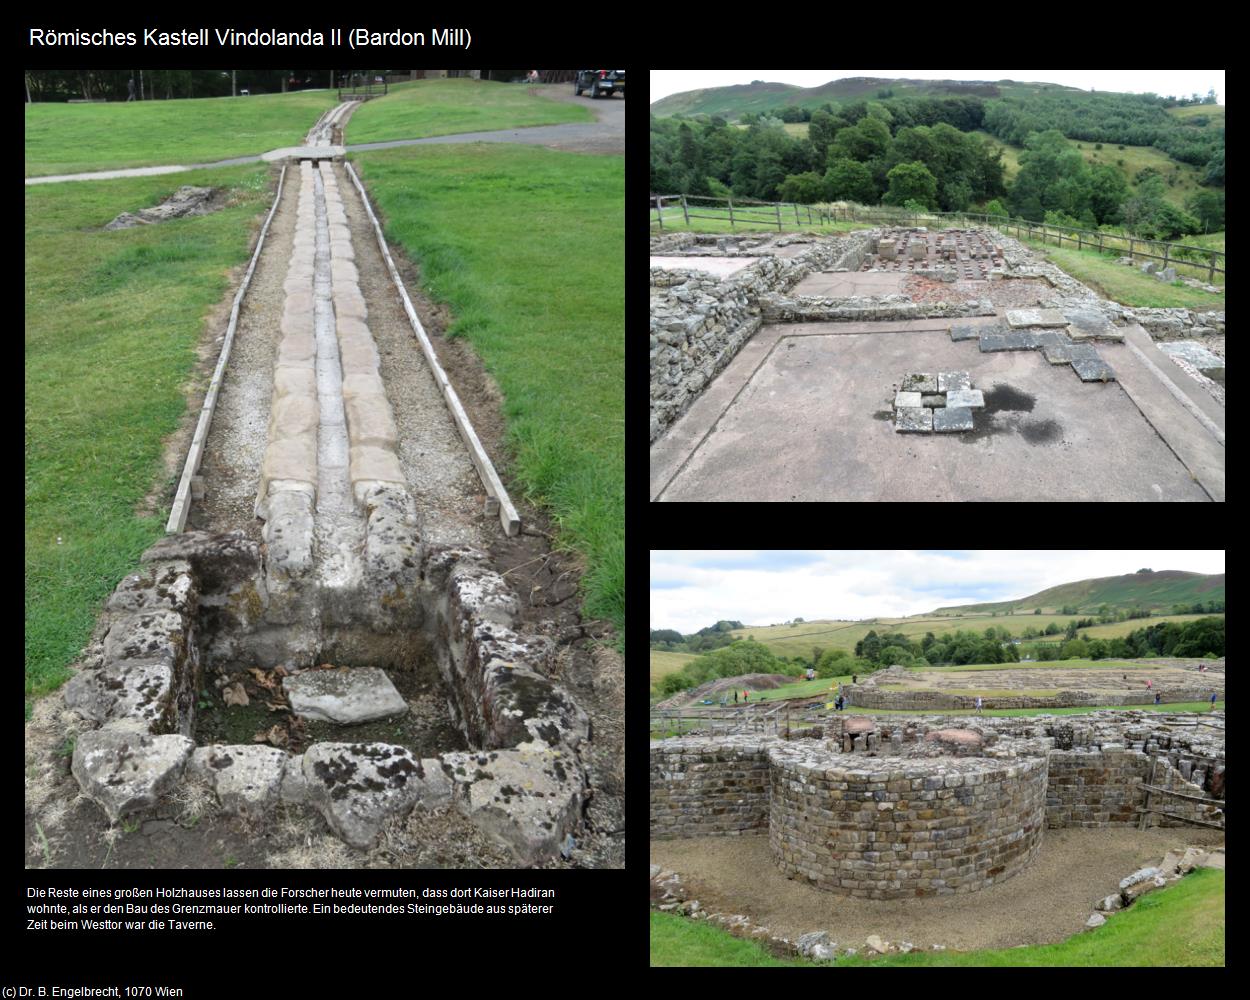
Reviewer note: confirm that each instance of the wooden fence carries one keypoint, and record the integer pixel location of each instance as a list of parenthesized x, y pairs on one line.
[(778, 213)]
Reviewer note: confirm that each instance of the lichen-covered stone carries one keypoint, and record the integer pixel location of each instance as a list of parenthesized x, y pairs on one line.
[(913, 419), (167, 585), (344, 696), (246, 779), (358, 786), (219, 560), (529, 799), (123, 769), (139, 690)]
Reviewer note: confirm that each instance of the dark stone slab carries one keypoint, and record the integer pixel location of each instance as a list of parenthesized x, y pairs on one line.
[(952, 418), (1094, 371), (965, 331), (1084, 352), (1016, 340)]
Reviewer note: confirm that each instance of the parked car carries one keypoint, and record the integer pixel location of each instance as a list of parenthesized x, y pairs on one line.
[(600, 82)]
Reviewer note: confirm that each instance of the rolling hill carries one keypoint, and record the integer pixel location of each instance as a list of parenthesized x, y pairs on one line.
[(761, 96), (1159, 590)]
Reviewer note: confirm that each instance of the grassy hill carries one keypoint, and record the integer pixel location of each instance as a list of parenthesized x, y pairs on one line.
[(761, 96), (1135, 158), (663, 663), (1148, 590)]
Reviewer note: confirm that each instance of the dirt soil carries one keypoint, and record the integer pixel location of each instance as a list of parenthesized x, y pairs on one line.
[(747, 682), (1047, 902), (1017, 293)]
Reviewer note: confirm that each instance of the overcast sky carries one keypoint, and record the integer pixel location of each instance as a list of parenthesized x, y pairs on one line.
[(692, 589), (1177, 82)]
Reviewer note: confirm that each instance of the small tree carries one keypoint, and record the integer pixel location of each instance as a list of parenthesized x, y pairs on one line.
[(911, 182)]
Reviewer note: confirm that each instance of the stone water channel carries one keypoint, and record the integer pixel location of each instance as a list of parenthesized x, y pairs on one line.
[(340, 593)]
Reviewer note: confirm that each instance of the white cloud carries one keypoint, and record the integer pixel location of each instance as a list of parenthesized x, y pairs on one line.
[(693, 589)]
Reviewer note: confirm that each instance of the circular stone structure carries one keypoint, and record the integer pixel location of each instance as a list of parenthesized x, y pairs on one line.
[(897, 828)]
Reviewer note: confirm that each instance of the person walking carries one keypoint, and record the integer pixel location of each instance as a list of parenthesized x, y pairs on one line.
[(1156, 697), (1149, 684), (735, 696), (746, 695), (978, 704), (854, 678), (1212, 701)]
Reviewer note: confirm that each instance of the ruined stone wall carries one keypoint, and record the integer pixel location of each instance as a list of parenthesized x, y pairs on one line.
[(882, 830), (1095, 787), (699, 321), (702, 788), (868, 696)]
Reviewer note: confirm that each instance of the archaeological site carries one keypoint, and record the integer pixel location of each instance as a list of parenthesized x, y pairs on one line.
[(811, 367)]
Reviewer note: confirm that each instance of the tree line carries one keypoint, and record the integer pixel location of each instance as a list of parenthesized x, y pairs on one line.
[(923, 154), (165, 84), (1203, 637)]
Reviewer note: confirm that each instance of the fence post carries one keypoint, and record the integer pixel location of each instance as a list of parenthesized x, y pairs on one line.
[(796, 213), (1131, 241), (1166, 248), (685, 211), (659, 210), (1211, 273), (1079, 244), (777, 206), (1100, 242), (731, 212)]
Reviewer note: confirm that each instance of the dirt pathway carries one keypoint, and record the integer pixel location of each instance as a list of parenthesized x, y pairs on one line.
[(1047, 902)]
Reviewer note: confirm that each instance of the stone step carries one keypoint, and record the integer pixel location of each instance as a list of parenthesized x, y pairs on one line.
[(345, 696)]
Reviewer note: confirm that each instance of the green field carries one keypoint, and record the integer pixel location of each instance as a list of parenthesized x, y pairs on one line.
[(663, 663), (527, 248), (69, 138), (799, 640), (112, 320), (1127, 285), (444, 107), (1181, 925)]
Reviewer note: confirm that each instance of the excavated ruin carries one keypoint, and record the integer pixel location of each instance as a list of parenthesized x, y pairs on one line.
[(888, 808)]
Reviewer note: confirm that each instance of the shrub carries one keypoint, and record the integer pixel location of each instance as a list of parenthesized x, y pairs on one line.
[(1098, 145), (1119, 147)]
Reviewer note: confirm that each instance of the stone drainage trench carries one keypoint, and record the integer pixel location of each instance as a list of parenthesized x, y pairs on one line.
[(344, 661)]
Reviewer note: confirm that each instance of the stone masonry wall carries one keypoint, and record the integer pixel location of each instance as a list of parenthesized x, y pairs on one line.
[(702, 788), (699, 321), (868, 696), (890, 831), (1095, 787)]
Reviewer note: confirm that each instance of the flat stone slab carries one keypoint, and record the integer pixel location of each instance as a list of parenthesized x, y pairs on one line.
[(344, 696), (965, 331), (953, 380), (1094, 371), (1089, 322), (139, 690), (1035, 317), (952, 418), (122, 769), (1196, 355), (913, 418), (1016, 340), (937, 399), (964, 397), (722, 266), (902, 399), (1084, 352), (919, 382)]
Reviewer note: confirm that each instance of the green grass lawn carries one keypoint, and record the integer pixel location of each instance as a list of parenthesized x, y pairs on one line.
[(1180, 925), (664, 663), (527, 247), (444, 107), (1127, 285), (112, 319), (70, 138)]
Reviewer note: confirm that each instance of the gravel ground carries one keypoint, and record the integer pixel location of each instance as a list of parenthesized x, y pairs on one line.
[(1011, 294), (1047, 902), (1216, 346), (236, 440), (446, 487)]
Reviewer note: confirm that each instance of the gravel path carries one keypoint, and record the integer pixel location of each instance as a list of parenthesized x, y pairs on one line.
[(447, 489), (1047, 902), (236, 440)]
